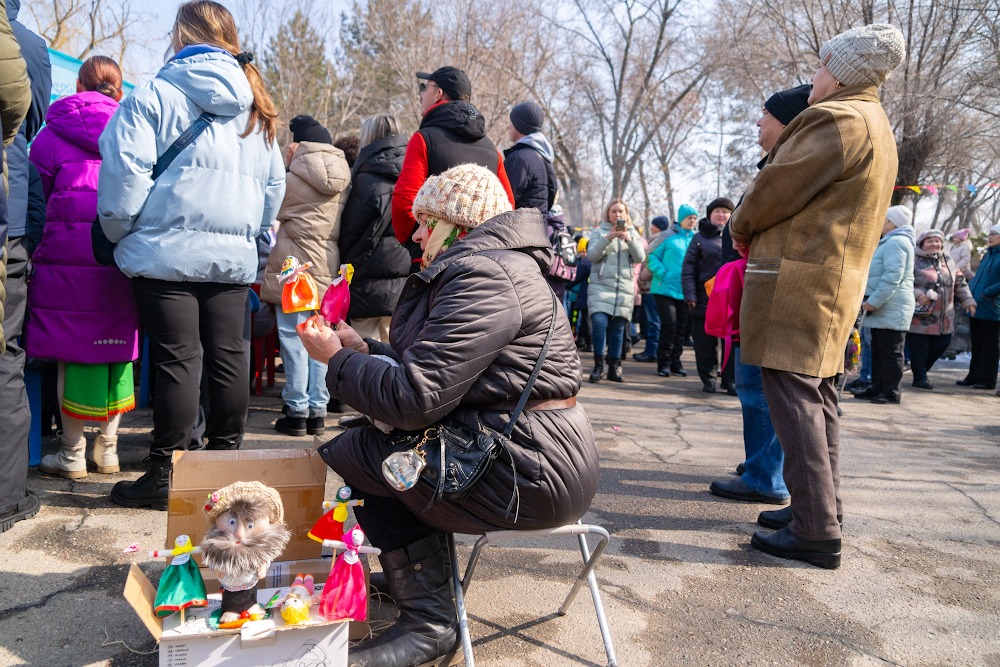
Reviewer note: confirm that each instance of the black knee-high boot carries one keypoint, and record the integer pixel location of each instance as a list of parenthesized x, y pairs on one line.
[(419, 579)]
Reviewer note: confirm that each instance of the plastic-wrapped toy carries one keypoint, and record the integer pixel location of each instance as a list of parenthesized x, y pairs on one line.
[(247, 534), (331, 525), (296, 604), (345, 594), (181, 585), (299, 291), (337, 300)]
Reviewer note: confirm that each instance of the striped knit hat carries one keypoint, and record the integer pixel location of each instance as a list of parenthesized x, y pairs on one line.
[(864, 55), (466, 196)]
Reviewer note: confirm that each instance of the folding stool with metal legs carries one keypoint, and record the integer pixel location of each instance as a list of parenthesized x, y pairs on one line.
[(581, 530)]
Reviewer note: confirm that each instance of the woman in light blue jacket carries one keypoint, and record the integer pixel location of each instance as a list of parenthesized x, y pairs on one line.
[(889, 304), (187, 239)]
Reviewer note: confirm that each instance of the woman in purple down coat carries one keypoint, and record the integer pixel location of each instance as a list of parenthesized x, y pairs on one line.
[(80, 313)]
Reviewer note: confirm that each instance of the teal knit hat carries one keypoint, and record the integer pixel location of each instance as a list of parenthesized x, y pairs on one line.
[(684, 211)]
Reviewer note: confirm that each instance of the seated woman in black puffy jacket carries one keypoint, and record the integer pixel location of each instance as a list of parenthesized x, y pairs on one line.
[(465, 336)]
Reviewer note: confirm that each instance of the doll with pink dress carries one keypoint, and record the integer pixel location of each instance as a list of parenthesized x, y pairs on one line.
[(345, 593)]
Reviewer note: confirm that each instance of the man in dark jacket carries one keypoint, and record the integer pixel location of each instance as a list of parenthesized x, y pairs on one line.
[(16, 502), (529, 161), (701, 263), (452, 132)]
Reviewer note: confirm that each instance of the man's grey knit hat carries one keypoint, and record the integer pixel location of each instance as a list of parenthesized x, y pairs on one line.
[(865, 55)]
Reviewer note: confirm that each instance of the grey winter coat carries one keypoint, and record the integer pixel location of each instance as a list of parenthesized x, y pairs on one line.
[(467, 331), (890, 282), (612, 276)]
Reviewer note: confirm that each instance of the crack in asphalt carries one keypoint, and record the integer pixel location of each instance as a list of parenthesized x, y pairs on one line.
[(820, 635), (982, 510), (98, 585)]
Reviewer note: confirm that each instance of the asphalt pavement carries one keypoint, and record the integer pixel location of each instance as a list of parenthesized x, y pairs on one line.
[(681, 585)]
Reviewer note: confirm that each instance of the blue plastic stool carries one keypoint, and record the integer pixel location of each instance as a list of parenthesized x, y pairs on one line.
[(33, 385)]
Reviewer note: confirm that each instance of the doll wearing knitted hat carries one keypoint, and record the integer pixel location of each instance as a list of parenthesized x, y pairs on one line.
[(450, 205), (248, 533)]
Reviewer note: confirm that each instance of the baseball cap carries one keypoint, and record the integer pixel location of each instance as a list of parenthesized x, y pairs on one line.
[(451, 80)]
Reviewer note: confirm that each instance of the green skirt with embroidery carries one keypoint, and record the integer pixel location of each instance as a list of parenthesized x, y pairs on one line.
[(98, 392)]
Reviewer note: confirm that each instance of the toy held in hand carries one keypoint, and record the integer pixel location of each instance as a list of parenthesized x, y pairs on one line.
[(248, 533), (181, 585), (345, 595), (331, 525), (337, 300), (299, 291)]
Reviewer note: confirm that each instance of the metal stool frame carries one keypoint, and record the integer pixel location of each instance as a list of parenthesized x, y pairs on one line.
[(460, 584)]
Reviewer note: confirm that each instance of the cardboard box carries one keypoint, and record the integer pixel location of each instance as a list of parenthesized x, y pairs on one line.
[(299, 475)]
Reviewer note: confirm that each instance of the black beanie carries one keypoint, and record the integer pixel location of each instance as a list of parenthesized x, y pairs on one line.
[(660, 222), (307, 128), (527, 117), (788, 104), (721, 202)]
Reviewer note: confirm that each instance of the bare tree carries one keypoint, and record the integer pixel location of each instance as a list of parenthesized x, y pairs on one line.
[(82, 28)]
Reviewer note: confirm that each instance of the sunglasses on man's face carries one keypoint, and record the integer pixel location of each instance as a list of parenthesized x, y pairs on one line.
[(424, 86)]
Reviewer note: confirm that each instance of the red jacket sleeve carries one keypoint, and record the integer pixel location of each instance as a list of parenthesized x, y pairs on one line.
[(411, 177), (502, 175)]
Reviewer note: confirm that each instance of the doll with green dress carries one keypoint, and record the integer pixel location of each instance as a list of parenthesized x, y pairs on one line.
[(181, 585)]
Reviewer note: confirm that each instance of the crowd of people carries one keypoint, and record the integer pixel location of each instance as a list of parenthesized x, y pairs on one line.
[(465, 293)]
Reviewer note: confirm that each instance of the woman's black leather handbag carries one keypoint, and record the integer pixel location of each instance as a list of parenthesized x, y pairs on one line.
[(450, 456)]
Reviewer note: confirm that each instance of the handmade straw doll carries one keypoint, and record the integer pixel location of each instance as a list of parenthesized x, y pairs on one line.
[(181, 585), (331, 525), (345, 594), (299, 291), (247, 534)]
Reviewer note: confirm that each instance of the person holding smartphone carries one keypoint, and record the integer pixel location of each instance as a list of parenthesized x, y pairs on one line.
[(614, 247)]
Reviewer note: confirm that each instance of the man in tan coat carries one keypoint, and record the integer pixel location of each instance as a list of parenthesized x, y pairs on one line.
[(811, 221)]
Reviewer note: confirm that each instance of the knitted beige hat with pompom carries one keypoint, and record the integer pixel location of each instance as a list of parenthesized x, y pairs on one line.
[(865, 55), (221, 500), (466, 196)]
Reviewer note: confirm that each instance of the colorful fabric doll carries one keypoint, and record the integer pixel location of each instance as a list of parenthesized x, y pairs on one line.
[(299, 291), (331, 525), (337, 300), (247, 534), (345, 595), (181, 585), (295, 607)]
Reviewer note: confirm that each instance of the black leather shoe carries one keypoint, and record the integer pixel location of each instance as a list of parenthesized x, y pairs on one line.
[(868, 394), (150, 490), (293, 426), (708, 387), (965, 383), (25, 509), (922, 383), (730, 389), (778, 519), (887, 397), (663, 372), (642, 356), (315, 426), (615, 371), (983, 386), (740, 469), (856, 385), (737, 489), (678, 370), (821, 553)]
